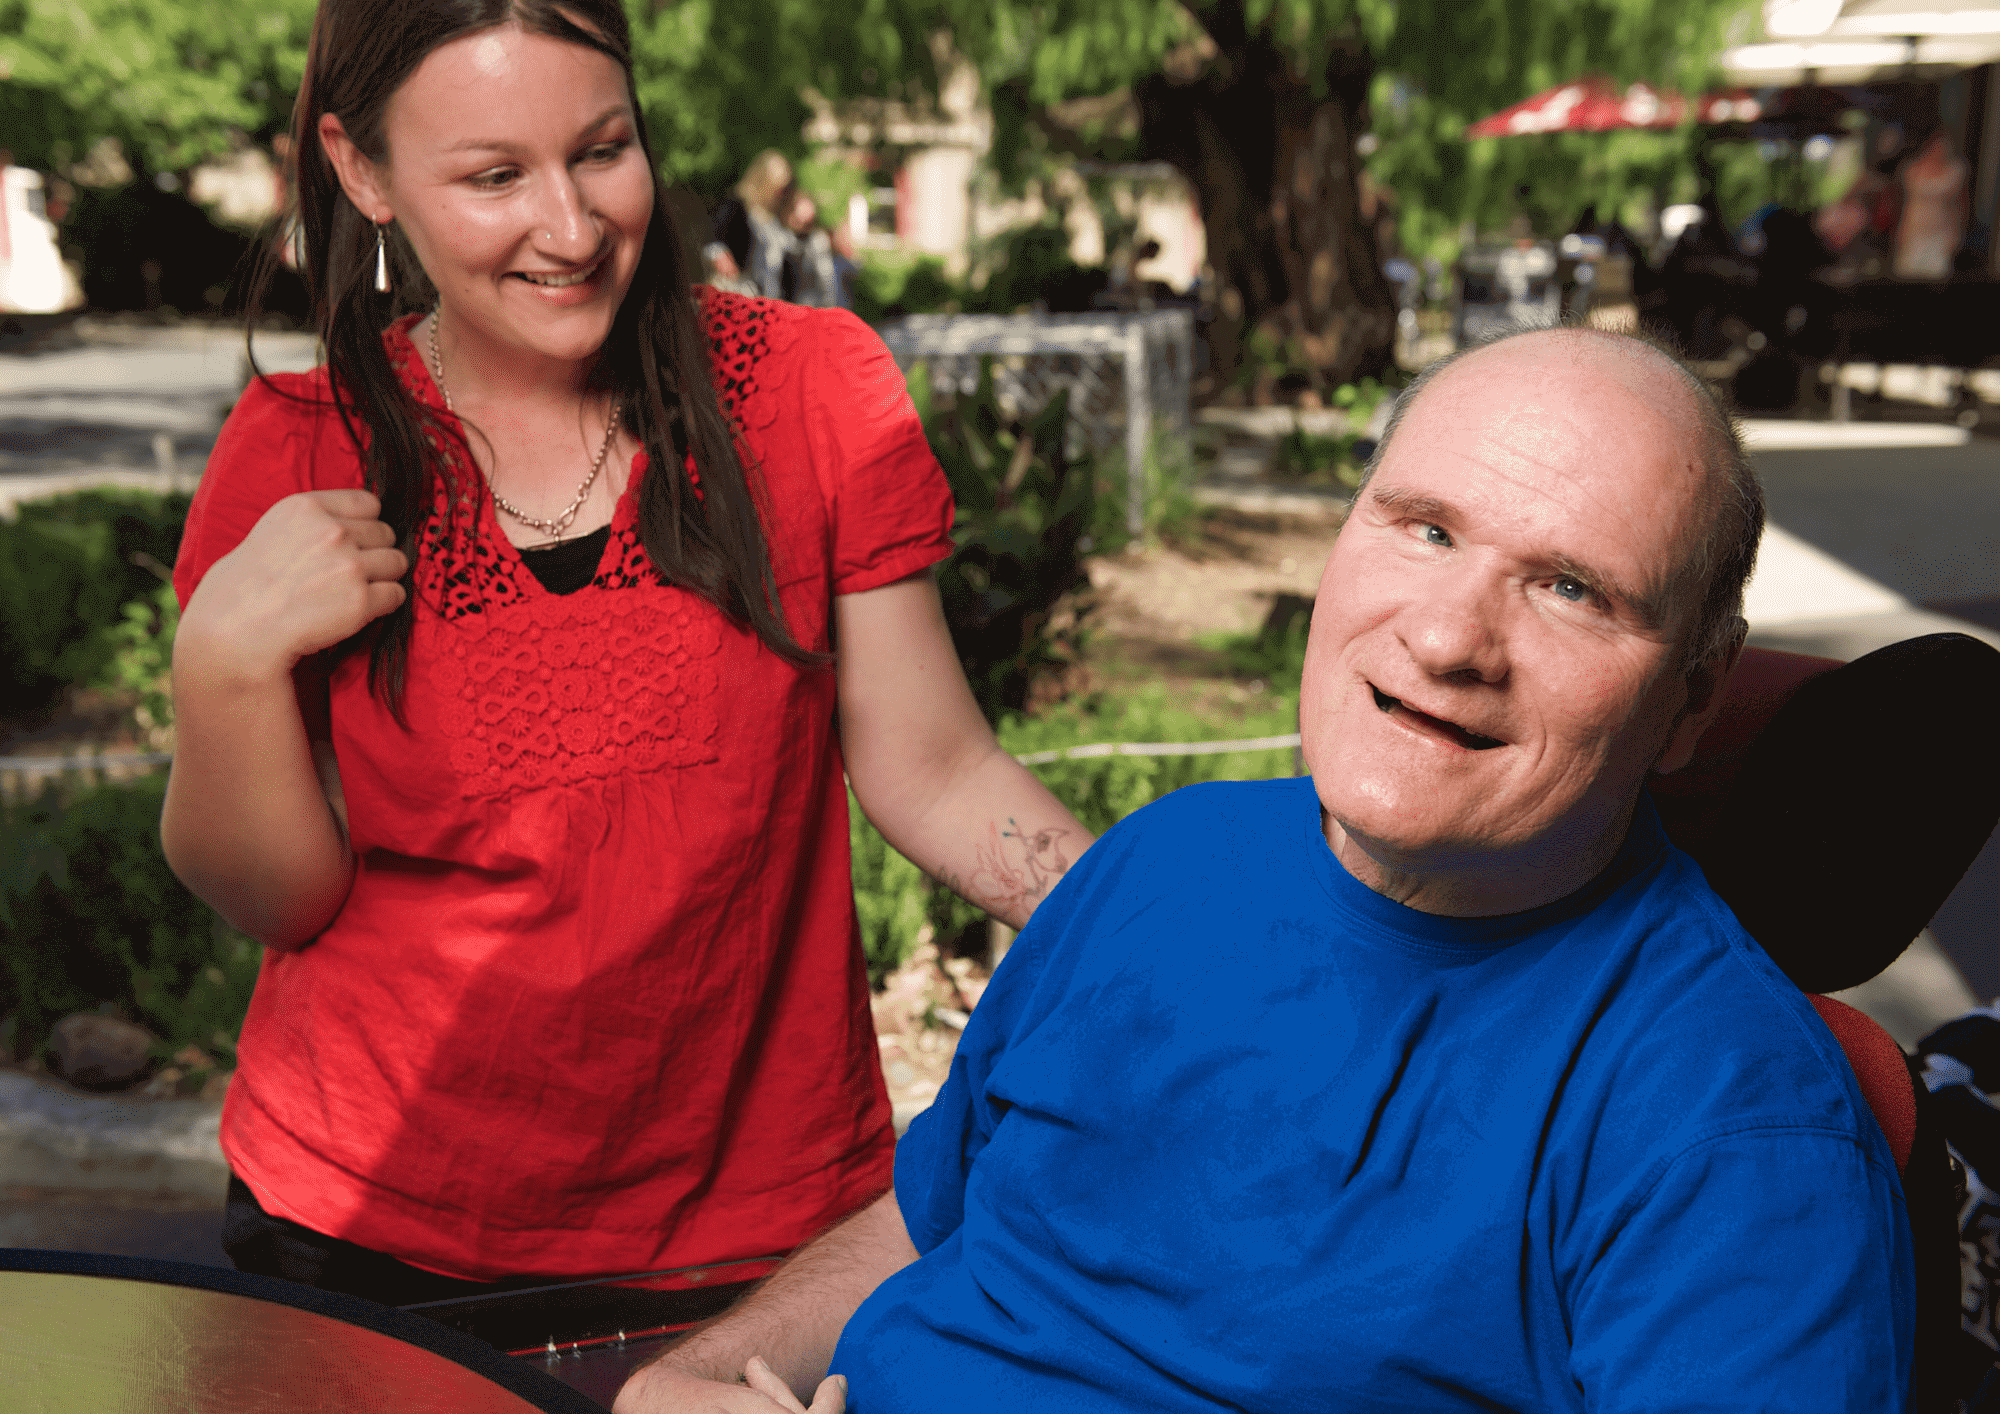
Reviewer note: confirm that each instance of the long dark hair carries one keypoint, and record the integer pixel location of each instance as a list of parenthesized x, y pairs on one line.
[(655, 361)]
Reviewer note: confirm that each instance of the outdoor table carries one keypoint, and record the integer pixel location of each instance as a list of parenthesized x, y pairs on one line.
[(128, 1335)]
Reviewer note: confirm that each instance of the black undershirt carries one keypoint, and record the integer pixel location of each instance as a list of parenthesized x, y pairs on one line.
[(566, 568)]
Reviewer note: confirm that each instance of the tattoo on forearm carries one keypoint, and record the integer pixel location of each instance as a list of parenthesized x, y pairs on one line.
[(1013, 868)]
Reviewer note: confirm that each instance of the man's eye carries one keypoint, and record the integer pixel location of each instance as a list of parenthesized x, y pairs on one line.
[(1435, 535), (1572, 589)]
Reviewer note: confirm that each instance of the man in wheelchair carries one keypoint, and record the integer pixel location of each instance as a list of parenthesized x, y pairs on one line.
[(1439, 1080)]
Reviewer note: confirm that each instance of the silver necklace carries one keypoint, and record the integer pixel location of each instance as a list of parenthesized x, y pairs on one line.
[(555, 526)]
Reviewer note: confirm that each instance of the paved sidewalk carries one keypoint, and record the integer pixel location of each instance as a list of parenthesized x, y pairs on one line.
[(129, 405)]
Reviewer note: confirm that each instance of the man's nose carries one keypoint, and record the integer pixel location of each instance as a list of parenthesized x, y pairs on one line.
[(565, 229), (1455, 629)]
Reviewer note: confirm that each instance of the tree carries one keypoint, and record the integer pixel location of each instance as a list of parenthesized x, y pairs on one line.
[(174, 81), (1261, 103)]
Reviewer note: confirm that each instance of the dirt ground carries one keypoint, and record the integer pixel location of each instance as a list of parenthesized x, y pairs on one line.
[(1151, 606)]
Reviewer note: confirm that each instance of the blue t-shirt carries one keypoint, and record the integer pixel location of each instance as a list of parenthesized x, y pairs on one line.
[(1230, 1130)]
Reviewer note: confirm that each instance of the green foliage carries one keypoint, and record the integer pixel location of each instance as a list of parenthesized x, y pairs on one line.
[(892, 897), (68, 566), (830, 183), (1170, 509), (893, 283), (1028, 264), (1337, 456), (721, 80), (1276, 653), (1024, 506), (170, 79), (90, 913), (1102, 790), (141, 663)]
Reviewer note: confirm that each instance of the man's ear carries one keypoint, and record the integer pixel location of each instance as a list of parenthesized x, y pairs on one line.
[(1706, 692), (358, 176)]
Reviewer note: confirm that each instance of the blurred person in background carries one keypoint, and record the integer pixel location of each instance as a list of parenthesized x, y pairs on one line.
[(510, 714), (748, 242), (810, 277)]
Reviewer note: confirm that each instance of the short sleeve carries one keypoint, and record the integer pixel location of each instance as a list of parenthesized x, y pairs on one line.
[(890, 502), (1768, 1270), (282, 437)]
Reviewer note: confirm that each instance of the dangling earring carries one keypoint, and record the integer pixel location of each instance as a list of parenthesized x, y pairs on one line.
[(381, 264)]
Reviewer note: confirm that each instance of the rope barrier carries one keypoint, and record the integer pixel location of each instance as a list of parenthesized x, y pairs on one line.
[(1160, 748), (51, 765)]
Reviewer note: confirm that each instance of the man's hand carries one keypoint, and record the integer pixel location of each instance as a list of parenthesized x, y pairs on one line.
[(662, 1389)]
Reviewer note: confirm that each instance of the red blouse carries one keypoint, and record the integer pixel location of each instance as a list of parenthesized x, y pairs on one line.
[(596, 1000)]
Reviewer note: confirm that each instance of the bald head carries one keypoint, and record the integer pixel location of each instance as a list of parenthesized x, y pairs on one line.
[(1721, 553)]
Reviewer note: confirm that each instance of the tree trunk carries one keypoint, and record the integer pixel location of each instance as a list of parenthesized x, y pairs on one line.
[(1299, 283)]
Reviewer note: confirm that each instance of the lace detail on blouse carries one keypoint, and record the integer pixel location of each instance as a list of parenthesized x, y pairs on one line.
[(553, 691), (536, 689), (743, 334), (461, 571)]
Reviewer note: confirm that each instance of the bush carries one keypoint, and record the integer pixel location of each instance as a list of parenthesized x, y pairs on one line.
[(1309, 455), (892, 283), (1276, 653), (68, 566), (1031, 266), (1024, 510), (141, 664), (90, 914), (1170, 508)]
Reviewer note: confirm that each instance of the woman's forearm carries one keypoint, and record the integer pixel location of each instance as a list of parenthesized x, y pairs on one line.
[(992, 834), (247, 825), (925, 766)]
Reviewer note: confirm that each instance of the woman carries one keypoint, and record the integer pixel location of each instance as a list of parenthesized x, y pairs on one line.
[(749, 245), (506, 700)]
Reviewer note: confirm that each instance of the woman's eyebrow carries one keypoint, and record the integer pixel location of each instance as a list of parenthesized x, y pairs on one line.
[(495, 144)]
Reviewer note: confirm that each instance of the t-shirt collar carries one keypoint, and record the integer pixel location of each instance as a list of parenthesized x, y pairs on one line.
[(1644, 841)]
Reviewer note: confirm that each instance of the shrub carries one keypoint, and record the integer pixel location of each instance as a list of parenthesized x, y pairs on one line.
[(1024, 509), (141, 663), (1276, 653), (891, 284), (1170, 508), (68, 566), (90, 913), (1031, 266)]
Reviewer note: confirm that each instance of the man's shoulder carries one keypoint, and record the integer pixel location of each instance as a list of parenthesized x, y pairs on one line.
[(1263, 807), (1199, 831), (1704, 1028)]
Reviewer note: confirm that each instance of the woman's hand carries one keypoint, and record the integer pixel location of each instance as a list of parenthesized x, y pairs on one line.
[(317, 568), (253, 824)]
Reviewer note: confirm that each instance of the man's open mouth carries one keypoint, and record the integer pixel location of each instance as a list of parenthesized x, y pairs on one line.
[(1438, 726)]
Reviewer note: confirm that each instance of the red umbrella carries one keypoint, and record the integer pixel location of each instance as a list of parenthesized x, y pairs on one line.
[(1596, 105)]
